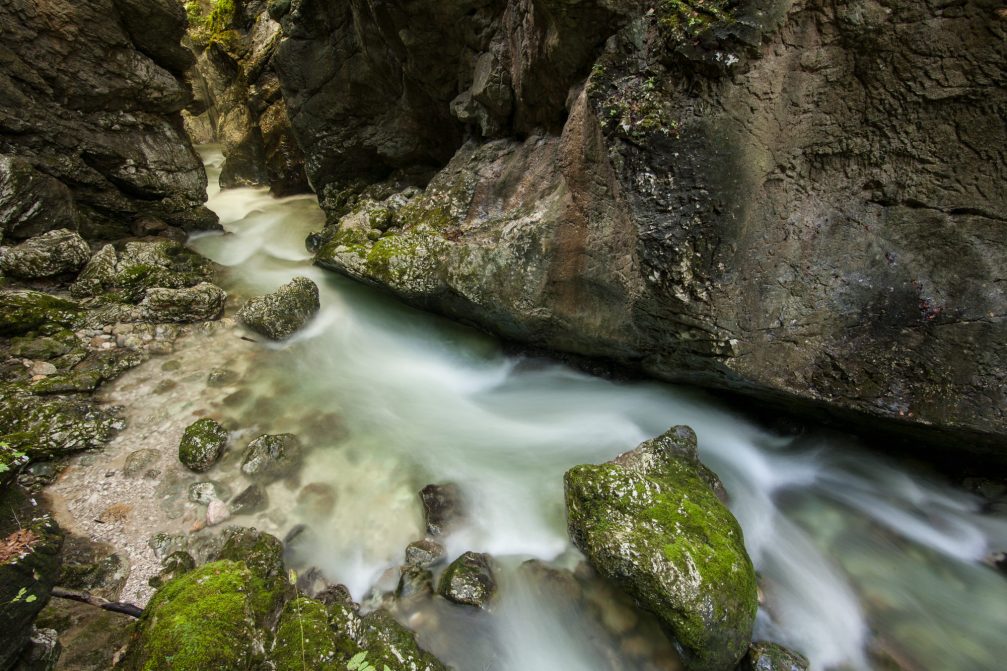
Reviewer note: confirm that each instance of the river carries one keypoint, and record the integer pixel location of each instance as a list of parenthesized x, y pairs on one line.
[(859, 557)]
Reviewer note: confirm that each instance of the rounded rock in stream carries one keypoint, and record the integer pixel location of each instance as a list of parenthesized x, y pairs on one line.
[(202, 445), (442, 507), (766, 656), (270, 457), (469, 580), (53, 253), (424, 553), (280, 314), (651, 521)]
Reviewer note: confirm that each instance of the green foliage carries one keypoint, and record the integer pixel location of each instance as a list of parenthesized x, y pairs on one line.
[(216, 26), (10, 458), (359, 663), (23, 595), (689, 19)]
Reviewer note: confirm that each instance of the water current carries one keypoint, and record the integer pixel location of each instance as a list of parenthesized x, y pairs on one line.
[(860, 559)]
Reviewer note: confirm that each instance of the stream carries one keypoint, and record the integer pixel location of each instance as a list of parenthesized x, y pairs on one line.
[(860, 559)]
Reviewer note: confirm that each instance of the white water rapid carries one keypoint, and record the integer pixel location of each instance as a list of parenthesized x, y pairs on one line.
[(859, 559)]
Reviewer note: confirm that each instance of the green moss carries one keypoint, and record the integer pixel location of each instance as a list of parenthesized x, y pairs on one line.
[(25, 311), (202, 444), (683, 20), (304, 639), (216, 26), (206, 619), (44, 427), (421, 216)]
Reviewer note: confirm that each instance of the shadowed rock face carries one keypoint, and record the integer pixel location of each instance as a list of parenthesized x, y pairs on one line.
[(90, 96), (798, 200)]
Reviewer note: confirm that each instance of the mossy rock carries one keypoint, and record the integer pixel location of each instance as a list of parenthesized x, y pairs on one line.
[(469, 580), (26, 582), (304, 639), (261, 552), (202, 445), (49, 426), (766, 656), (26, 311), (651, 522), (203, 302), (270, 457), (282, 313), (54, 253), (209, 618), (389, 643)]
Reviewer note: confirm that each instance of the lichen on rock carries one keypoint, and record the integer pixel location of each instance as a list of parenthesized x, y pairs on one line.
[(202, 445), (56, 252), (651, 522)]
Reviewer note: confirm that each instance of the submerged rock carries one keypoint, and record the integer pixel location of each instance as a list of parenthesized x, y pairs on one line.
[(270, 457), (203, 302), (251, 499), (202, 444), (54, 253), (280, 314), (766, 656), (469, 580), (651, 522), (424, 553), (443, 507)]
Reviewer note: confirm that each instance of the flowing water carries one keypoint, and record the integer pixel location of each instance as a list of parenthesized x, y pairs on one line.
[(859, 559)]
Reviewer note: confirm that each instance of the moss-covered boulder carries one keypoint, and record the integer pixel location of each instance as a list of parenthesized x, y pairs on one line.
[(209, 618), (54, 253), (380, 637), (202, 444), (270, 457), (280, 314), (651, 522), (261, 552), (49, 426), (25, 311), (469, 580), (29, 568), (97, 274), (304, 639), (202, 302)]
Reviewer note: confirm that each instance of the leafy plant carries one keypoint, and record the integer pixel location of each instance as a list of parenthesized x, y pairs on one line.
[(359, 663), (23, 595)]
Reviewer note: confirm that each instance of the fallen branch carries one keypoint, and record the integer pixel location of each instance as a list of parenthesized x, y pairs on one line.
[(97, 601)]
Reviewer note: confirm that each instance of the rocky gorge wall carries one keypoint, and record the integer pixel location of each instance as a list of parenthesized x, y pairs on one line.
[(800, 200), (90, 131), (237, 95)]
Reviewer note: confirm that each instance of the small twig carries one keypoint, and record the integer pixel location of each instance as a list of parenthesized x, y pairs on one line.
[(97, 601)]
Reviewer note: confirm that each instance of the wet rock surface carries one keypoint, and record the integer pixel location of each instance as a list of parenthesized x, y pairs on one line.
[(588, 186), (651, 522), (443, 507), (271, 457), (54, 253), (765, 656), (469, 580), (91, 98), (280, 314)]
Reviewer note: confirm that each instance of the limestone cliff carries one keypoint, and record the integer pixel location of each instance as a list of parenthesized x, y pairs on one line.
[(801, 200), (90, 131)]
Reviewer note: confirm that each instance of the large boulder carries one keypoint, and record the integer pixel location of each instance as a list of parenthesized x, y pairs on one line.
[(282, 313), (91, 98), (29, 568), (651, 522), (31, 202), (54, 253), (203, 302), (589, 185), (202, 445)]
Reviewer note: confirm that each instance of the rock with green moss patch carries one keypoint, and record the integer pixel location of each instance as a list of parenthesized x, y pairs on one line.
[(54, 253), (270, 457), (766, 656), (26, 582), (469, 580), (651, 522), (280, 314), (202, 444), (97, 274), (209, 618), (48, 426), (25, 311), (173, 566), (203, 302), (262, 552), (304, 640)]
